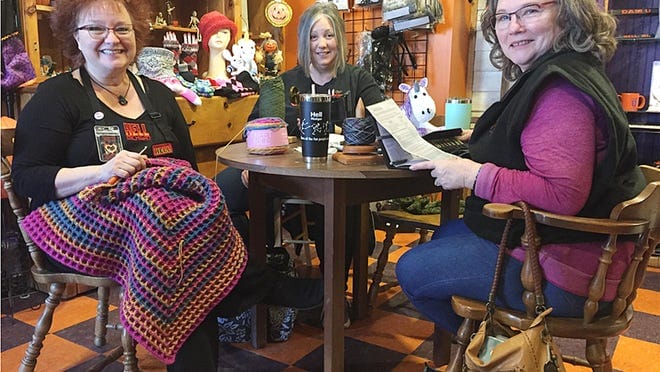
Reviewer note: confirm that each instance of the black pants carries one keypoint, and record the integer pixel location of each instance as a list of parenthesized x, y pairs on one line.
[(200, 351)]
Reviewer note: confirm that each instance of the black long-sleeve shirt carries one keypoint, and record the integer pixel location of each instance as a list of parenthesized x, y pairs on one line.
[(354, 82), (56, 130)]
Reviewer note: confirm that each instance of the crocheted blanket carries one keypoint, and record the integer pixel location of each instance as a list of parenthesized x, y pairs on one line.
[(164, 234)]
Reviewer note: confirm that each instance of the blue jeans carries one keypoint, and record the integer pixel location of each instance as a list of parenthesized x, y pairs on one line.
[(458, 262)]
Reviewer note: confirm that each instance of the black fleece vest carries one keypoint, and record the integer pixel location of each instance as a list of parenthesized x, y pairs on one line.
[(496, 139)]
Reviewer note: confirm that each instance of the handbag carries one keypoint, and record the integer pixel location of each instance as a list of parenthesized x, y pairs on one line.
[(280, 319), (16, 66), (497, 347)]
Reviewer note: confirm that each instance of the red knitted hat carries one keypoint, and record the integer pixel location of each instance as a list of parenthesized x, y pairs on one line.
[(211, 23)]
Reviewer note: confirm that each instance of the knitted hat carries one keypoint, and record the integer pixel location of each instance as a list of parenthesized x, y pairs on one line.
[(211, 23)]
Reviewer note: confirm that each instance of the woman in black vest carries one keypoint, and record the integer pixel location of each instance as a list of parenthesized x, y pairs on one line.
[(558, 140)]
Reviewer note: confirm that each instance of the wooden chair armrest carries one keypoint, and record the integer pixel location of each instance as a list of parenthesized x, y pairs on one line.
[(594, 225)]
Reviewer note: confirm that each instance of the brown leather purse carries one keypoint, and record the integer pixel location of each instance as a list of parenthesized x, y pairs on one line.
[(497, 347)]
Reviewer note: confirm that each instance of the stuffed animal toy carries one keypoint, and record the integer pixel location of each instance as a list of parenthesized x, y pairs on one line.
[(269, 57), (242, 59), (418, 106), (158, 64)]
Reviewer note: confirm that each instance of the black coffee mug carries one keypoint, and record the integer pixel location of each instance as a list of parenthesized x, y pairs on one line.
[(315, 126)]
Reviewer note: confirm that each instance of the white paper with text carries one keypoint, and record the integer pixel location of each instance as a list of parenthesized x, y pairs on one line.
[(389, 115)]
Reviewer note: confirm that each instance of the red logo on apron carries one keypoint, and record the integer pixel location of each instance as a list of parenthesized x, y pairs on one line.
[(136, 132), (162, 149)]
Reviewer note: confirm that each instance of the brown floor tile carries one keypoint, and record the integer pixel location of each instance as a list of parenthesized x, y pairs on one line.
[(302, 342), (390, 330), (394, 255), (67, 313), (647, 302), (572, 368), (57, 354), (412, 363), (386, 295), (293, 369), (636, 355), (405, 239)]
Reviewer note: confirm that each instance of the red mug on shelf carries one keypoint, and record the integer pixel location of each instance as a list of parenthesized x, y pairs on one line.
[(632, 101)]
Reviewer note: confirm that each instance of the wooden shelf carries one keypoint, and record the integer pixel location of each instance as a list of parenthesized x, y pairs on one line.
[(173, 28), (45, 8)]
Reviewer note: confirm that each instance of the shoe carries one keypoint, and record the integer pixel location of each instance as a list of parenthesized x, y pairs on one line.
[(299, 293), (347, 314)]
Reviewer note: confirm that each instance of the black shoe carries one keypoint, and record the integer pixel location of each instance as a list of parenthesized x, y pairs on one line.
[(299, 293)]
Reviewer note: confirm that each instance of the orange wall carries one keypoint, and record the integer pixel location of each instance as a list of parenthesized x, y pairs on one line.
[(448, 54), (447, 51), (291, 33)]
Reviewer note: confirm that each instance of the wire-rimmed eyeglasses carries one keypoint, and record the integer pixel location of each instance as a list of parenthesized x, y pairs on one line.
[(101, 32), (528, 13)]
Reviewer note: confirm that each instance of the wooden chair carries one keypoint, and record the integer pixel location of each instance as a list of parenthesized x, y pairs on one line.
[(638, 217), (394, 222), (298, 207), (44, 274)]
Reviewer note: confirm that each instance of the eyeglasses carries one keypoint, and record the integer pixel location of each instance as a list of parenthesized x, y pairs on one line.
[(101, 32), (528, 13)]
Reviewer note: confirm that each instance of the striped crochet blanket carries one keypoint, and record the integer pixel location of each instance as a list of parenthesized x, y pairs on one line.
[(163, 234)]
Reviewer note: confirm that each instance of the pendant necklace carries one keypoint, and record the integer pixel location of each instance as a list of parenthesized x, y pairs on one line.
[(121, 98)]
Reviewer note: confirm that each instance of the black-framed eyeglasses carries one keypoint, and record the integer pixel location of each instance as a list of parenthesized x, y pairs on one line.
[(101, 32), (528, 13)]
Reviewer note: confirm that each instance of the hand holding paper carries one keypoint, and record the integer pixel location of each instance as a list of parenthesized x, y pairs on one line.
[(452, 173)]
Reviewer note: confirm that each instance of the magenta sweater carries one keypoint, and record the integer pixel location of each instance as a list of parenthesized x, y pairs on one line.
[(562, 141)]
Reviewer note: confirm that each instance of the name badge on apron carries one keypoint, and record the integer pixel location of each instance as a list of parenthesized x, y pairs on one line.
[(108, 141)]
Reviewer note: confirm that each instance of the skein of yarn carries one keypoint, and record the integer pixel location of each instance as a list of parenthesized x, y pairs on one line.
[(266, 136)]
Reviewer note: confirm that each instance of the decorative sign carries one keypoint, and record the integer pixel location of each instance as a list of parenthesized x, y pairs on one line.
[(278, 13)]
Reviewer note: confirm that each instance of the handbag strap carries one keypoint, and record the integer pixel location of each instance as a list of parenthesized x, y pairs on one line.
[(490, 305), (533, 243)]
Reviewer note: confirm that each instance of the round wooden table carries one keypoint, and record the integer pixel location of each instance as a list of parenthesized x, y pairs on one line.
[(335, 186)]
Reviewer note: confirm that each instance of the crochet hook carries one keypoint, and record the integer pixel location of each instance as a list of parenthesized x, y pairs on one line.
[(114, 179)]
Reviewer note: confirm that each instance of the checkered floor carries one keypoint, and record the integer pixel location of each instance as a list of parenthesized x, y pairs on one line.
[(394, 338)]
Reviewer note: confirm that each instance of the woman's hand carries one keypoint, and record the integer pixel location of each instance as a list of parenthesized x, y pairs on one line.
[(452, 173), (69, 181), (465, 135), (123, 165)]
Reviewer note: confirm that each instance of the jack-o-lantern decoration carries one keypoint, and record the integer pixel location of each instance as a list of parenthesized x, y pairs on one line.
[(278, 13), (270, 46), (269, 57)]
